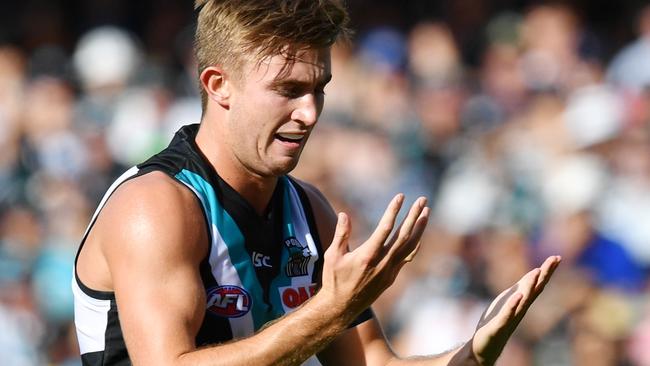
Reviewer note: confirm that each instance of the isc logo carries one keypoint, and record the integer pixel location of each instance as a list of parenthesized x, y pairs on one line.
[(294, 296), (261, 260), (228, 301)]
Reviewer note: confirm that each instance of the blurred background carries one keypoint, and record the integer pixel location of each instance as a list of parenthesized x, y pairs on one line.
[(526, 123)]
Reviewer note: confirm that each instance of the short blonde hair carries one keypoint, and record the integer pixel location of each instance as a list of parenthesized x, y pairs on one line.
[(230, 31)]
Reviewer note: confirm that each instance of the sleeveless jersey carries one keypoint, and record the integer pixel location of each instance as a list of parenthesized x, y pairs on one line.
[(257, 268)]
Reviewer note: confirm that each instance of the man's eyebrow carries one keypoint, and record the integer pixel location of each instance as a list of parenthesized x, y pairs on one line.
[(288, 81)]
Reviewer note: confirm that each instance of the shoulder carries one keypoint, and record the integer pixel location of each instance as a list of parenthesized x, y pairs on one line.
[(324, 214), (152, 213), (156, 196)]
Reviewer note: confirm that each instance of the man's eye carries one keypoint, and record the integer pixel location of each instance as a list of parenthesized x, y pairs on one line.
[(297, 92), (291, 92)]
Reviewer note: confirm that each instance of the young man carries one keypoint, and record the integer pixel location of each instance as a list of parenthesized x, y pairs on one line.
[(209, 254)]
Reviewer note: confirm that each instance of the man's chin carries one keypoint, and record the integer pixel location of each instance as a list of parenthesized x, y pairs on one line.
[(283, 166)]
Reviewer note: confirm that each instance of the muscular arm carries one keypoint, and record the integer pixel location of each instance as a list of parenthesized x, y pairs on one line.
[(153, 246)]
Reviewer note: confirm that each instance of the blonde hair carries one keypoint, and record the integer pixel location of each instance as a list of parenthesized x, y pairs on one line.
[(229, 32)]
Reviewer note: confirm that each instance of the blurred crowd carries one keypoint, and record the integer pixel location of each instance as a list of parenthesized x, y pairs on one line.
[(539, 147)]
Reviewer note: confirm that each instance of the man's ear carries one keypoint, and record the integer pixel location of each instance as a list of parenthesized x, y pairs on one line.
[(216, 85)]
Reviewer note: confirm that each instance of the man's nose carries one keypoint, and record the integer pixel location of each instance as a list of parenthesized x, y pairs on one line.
[(307, 109)]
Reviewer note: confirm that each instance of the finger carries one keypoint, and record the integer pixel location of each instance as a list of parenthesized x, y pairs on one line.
[(405, 232), (527, 289), (509, 312), (410, 248), (414, 252), (341, 234), (405, 228), (547, 269), (385, 225)]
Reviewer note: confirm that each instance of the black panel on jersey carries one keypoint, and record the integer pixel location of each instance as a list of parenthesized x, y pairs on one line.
[(206, 334), (92, 358), (115, 352), (262, 234), (364, 316), (206, 273)]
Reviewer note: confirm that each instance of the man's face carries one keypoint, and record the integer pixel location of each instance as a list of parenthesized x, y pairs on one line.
[(272, 113)]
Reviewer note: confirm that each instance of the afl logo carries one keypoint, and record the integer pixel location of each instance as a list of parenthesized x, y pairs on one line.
[(228, 301)]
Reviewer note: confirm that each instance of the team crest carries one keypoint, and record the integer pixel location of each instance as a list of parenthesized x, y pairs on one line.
[(299, 256)]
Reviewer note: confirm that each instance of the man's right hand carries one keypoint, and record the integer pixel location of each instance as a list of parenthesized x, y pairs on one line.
[(354, 279)]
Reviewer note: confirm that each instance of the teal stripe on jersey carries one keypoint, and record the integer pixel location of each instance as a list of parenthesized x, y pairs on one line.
[(235, 242)]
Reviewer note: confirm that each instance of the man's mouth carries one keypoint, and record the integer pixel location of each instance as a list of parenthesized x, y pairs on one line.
[(289, 137)]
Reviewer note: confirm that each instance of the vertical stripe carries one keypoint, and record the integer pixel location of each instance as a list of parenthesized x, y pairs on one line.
[(282, 280), (229, 260), (91, 320)]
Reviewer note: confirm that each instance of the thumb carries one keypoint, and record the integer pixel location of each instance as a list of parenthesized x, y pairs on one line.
[(341, 234)]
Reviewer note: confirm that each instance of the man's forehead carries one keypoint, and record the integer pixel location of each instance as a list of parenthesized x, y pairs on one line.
[(308, 56), (304, 64)]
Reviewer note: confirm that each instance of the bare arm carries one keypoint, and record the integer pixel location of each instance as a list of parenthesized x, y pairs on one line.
[(154, 244), (366, 344)]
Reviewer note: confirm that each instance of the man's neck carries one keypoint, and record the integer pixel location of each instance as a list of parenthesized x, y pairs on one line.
[(255, 189)]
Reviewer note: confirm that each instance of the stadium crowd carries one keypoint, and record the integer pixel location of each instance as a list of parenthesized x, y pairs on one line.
[(534, 143)]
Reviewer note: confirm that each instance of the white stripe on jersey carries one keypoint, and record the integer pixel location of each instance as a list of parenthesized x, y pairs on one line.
[(91, 320), (301, 230)]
